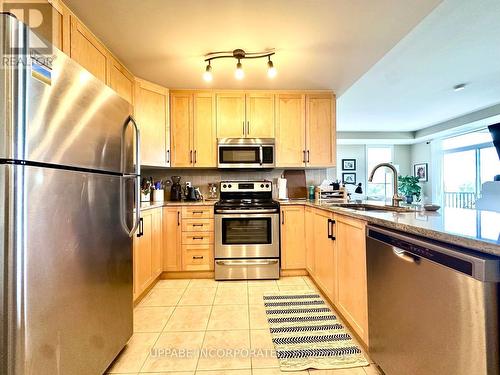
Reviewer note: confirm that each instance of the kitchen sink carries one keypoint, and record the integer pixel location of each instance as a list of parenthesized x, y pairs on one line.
[(373, 207)]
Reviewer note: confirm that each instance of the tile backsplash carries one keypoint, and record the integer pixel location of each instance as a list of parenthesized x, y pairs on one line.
[(201, 177)]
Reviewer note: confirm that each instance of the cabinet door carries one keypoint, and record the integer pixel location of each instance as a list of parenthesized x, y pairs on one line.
[(204, 130), (290, 130), (320, 136), (172, 239), (293, 255), (181, 122), (121, 80), (156, 248), (143, 254), (260, 115), (351, 273), (151, 109), (230, 115), (87, 50), (325, 267), (309, 240)]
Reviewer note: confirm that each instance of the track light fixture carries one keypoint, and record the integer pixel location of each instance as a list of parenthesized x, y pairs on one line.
[(239, 55), (207, 76)]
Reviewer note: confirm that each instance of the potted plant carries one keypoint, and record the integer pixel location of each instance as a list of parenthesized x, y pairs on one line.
[(409, 187)]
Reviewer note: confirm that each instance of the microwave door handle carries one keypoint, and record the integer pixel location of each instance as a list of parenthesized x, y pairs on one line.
[(261, 155)]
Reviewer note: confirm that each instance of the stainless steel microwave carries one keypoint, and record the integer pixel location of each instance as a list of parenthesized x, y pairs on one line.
[(245, 153)]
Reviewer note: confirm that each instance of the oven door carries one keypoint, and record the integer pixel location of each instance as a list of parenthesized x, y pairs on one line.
[(246, 235)]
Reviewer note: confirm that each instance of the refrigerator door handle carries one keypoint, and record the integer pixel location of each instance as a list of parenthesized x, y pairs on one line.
[(137, 185)]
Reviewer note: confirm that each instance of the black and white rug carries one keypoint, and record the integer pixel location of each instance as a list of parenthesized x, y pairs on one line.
[(306, 334)]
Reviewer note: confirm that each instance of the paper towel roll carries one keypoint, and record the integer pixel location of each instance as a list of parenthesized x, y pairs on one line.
[(282, 192)]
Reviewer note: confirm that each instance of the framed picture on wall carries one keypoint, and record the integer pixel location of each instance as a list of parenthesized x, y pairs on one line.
[(349, 178), (420, 171), (348, 164)]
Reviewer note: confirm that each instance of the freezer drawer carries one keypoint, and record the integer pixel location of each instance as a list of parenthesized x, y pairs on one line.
[(432, 308), (246, 269), (67, 271)]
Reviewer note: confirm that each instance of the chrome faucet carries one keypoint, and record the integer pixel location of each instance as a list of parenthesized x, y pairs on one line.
[(395, 196)]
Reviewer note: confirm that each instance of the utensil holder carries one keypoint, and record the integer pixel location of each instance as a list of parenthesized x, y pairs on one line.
[(158, 195)]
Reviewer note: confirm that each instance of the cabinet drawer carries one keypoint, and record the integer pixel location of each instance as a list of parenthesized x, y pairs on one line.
[(197, 257), (197, 238), (198, 225), (198, 212)]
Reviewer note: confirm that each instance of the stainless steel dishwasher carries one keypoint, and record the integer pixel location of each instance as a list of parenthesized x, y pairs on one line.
[(432, 307)]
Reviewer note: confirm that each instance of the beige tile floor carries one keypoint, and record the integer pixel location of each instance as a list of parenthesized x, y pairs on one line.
[(204, 314)]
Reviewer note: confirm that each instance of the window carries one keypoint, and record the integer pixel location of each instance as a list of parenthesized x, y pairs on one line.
[(469, 161), (381, 187)]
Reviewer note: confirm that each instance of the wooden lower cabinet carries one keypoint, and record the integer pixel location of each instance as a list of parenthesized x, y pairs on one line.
[(309, 239), (197, 257), (147, 257), (172, 256), (325, 267), (292, 238), (351, 273)]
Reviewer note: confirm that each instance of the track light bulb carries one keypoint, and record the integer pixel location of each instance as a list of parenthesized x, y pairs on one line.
[(239, 73), (271, 70), (207, 76)]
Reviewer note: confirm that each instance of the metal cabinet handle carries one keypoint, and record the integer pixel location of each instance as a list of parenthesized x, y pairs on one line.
[(191, 157), (178, 218), (197, 212), (248, 127), (197, 238), (303, 156), (197, 225), (198, 257), (168, 156), (244, 128), (308, 156), (194, 156), (141, 228), (282, 217)]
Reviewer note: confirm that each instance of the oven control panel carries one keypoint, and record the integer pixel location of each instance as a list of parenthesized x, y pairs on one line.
[(246, 186)]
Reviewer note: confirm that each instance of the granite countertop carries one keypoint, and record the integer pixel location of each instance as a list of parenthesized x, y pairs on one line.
[(150, 205), (474, 229)]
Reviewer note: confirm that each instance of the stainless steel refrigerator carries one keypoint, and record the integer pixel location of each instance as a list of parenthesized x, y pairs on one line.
[(68, 185)]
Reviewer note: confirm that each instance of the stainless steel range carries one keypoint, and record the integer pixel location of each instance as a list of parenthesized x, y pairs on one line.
[(247, 242)]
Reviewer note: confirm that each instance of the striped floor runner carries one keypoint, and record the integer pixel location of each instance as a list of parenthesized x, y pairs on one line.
[(306, 334)]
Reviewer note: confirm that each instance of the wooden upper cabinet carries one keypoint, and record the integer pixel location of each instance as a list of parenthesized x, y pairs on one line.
[(259, 115), (231, 122), (352, 298), (121, 80), (87, 50), (290, 130), (320, 130), (151, 113), (181, 123), (192, 121), (293, 255), (204, 130)]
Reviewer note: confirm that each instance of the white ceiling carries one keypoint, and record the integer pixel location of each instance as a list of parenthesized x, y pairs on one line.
[(410, 88), (321, 44)]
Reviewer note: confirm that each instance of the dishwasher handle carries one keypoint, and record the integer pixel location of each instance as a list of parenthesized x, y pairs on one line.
[(483, 267)]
